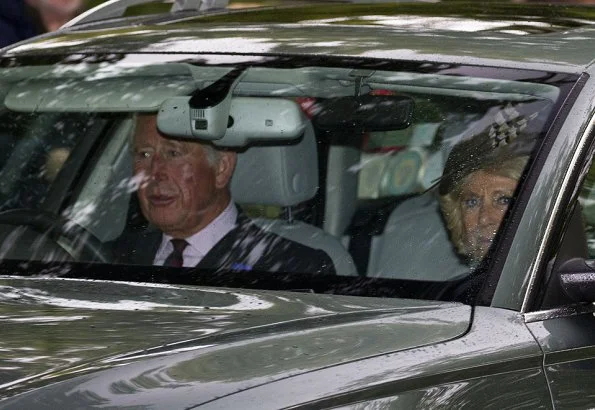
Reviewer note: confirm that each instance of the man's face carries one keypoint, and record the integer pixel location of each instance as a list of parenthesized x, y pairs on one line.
[(180, 191), (65, 6), (483, 202)]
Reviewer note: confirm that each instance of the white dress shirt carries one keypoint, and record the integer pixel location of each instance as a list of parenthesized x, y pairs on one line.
[(201, 242)]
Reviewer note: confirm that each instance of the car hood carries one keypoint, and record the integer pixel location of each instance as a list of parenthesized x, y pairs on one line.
[(109, 338)]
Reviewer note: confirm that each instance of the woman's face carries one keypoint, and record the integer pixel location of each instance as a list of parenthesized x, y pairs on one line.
[(484, 199)]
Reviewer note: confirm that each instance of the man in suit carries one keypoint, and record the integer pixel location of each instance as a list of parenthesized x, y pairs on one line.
[(16, 22), (184, 191)]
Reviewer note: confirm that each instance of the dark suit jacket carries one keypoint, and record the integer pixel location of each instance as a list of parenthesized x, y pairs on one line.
[(246, 247), (16, 22)]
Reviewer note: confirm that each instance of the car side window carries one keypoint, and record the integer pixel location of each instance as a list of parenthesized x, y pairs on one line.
[(576, 241), (105, 195), (34, 149), (587, 202)]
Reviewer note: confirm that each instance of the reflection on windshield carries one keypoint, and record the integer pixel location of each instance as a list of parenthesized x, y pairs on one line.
[(325, 172)]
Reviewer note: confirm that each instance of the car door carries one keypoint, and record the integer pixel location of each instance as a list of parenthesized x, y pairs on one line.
[(564, 327), (568, 342), (549, 228)]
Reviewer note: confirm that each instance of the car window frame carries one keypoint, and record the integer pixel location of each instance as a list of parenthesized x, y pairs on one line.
[(520, 262), (471, 70), (563, 226)]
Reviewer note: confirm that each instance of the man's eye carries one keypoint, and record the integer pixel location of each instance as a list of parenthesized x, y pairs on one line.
[(173, 153), (143, 154)]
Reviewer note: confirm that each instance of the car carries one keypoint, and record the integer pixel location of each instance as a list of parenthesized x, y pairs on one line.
[(353, 124)]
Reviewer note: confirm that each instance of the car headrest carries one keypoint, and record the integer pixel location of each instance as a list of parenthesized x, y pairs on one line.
[(410, 171), (282, 175)]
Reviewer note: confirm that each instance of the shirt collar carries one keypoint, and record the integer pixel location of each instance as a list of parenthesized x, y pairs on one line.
[(204, 240)]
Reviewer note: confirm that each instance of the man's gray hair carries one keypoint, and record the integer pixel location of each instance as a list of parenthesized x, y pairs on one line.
[(213, 154)]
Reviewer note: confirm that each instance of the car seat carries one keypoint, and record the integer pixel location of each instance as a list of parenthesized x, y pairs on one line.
[(287, 175), (415, 244)]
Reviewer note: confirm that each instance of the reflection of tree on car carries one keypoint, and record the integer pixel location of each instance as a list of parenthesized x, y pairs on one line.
[(299, 340), (183, 189), (34, 150)]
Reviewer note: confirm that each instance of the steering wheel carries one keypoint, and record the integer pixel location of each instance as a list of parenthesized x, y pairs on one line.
[(56, 226)]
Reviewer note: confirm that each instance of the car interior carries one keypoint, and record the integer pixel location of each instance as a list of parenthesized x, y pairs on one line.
[(351, 170)]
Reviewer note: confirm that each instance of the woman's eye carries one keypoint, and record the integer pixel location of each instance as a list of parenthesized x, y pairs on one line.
[(470, 203), (504, 200)]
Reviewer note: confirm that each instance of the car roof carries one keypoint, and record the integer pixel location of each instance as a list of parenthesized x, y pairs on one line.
[(510, 34)]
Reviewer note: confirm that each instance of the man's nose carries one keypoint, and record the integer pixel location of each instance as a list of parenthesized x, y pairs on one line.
[(157, 167)]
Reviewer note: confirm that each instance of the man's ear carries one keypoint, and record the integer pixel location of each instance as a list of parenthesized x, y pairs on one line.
[(225, 167)]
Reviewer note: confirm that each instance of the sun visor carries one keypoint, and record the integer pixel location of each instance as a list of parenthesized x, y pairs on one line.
[(115, 94)]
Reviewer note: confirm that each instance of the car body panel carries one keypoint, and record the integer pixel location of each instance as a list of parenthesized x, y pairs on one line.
[(95, 344), (246, 336), (500, 367), (484, 38), (528, 243), (497, 364), (569, 347)]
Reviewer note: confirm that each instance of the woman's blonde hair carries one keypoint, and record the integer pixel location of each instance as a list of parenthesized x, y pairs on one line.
[(450, 203)]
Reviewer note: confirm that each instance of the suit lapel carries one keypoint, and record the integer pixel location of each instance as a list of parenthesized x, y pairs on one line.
[(230, 251), (145, 248)]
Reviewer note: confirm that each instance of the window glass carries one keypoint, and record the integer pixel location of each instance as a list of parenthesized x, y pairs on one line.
[(587, 201), (35, 147), (301, 168), (105, 194)]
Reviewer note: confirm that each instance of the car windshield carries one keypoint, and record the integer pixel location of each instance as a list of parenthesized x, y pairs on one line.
[(344, 175)]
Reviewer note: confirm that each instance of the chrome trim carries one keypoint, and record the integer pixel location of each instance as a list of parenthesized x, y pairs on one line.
[(563, 311), (582, 146)]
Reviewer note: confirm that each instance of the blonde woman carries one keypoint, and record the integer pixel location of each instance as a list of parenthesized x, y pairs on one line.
[(481, 176)]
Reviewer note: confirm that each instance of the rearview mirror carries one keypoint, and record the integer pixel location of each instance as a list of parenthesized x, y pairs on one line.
[(364, 113), (247, 119)]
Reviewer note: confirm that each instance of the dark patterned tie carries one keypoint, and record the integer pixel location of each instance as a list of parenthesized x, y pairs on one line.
[(176, 258)]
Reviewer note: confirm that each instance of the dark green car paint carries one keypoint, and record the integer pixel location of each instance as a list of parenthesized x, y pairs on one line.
[(234, 346), (90, 343), (234, 338)]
